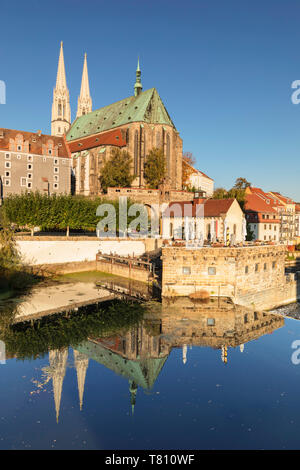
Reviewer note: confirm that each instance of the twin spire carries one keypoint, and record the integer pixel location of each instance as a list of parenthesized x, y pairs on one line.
[(61, 110)]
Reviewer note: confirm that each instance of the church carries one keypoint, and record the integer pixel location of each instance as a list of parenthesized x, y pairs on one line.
[(136, 124)]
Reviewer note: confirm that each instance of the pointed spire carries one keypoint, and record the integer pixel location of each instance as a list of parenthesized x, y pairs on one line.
[(81, 364), (84, 99), (138, 84), (61, 82), (61, 110)]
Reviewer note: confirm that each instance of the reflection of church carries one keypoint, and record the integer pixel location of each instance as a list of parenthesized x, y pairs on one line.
[(139, 354)]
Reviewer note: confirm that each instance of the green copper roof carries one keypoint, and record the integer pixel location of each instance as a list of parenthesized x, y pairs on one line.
[(146, 107), (143, 372)]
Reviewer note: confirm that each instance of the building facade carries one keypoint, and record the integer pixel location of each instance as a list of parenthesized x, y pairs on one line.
[(196, 179), (136, 124), (33, 162)]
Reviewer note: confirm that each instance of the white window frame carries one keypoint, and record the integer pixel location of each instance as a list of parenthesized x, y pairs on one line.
[(56, 169), (7, 156), (7, 165), (25, 181), (6, 182), (29, 158), (29, 165)]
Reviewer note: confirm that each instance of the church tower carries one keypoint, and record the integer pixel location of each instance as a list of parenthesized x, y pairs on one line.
[(61, 110), (84, 99)]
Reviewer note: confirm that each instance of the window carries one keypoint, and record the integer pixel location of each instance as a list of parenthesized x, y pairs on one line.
[(7, 182), (274, 228), (255, 316), (212, 270), (186, 270), (7, 174), (29, 166), (19, 157), (246, 269), (29, 176), (246, 318), (56, 169), (274, 265), (56, 162), (19, 148), (263, 216), (29, 158), (265, 227), (50, 151), (23, 181), (7, 156), (256, 267), (270, 226), (210, 322), (56, 177), (29, 184), (55, 185), (265, 237), (7, 165), (265, 266)]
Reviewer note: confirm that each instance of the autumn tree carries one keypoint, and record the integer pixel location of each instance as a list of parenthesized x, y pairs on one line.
[(155, 168), (188, 160), (117, 170), (241, 183)]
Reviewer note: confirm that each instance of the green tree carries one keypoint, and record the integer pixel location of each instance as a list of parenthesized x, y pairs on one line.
[(117, 170), (155, 169)]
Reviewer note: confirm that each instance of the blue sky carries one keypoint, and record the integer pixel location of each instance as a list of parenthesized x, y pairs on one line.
[(223, 69)]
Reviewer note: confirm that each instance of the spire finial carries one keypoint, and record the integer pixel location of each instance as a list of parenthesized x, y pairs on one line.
[(84, 99), (138, 85)]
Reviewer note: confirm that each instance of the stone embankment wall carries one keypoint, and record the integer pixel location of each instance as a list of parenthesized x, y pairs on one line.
[(252, 276), (38, 251), (124, 270)]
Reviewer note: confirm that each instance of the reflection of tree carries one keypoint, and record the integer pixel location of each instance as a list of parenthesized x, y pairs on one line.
[(34, 339)]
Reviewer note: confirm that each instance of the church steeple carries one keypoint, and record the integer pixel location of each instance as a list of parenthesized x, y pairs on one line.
[(61, 110), (81, 364), (133, 390), (84, 99), (138, 85)]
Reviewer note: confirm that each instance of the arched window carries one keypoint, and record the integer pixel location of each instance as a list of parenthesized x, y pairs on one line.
[(158, 139), (59, 109), (136, 152)]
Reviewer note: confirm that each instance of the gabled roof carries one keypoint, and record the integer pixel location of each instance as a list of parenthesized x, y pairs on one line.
[(257, 204), (145, 107), (35, 140), (194, 170), (212, 207)]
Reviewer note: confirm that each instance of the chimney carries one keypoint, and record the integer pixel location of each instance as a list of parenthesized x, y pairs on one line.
[(1, 134)]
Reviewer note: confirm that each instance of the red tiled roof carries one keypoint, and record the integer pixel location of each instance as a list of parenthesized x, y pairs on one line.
[(257, 204), (36, 141), (114, 137), (212, 207), (195, 169)]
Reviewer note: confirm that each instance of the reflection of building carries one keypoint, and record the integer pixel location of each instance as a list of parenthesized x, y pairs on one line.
[(217, 324), (137, 355), (57, 371)]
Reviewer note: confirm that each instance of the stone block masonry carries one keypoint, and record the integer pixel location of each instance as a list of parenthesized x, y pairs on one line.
[(251, 276)]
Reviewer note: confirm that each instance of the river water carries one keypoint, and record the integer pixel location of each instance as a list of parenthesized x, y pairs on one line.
[(123, 375)]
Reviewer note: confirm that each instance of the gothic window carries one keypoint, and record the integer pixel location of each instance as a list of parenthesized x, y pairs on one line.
[(158, 140), (59, 109), (136, 152), (168, 155)]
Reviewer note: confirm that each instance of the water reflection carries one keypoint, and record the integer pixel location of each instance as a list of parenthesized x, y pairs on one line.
[(133, 340)]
